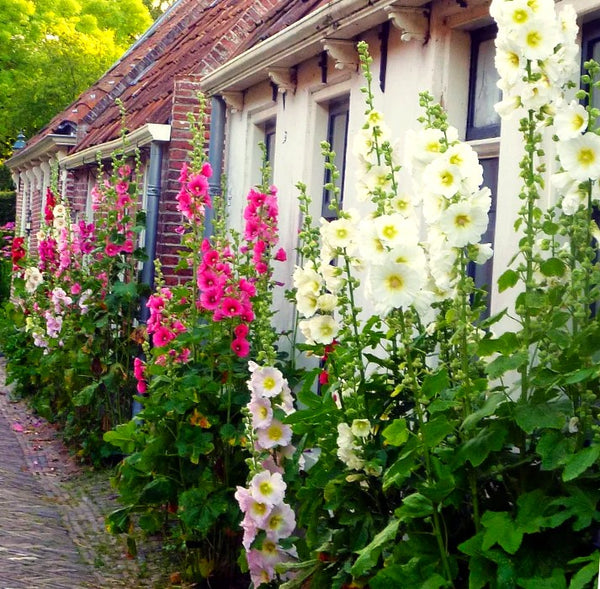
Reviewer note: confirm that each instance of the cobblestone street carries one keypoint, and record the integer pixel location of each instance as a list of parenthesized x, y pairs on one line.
[(52, 512)]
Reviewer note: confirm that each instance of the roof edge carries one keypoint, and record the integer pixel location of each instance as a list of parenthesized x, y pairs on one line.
[(149, 133), (336, 20), (45, 147)]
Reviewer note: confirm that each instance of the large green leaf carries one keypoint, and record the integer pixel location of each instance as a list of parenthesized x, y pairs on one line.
[(369, 555), (396, 434), (501, 529), (530, 417), (580, 461)]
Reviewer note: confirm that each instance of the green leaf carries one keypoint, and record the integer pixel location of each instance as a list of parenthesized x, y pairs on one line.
[(193, 442), (396, 434), (554, 449), (506, 344), (124, 436), (580, 462), (581, 375), (436, 430), (487, 409), (581, 504), (503, 364), (552, 267), (477, 449), (84, 396), (369, 555), (433, 384), (542, 415), (414, 506), (584, 576), (507, 280), (400, 469), (160, 490), (500, 528), (556, 581), (118, 521)]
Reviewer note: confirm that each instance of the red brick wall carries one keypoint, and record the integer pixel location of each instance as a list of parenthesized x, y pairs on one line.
[(185, 100)]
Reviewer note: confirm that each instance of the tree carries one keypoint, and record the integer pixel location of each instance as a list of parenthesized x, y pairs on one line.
[(51, 50)]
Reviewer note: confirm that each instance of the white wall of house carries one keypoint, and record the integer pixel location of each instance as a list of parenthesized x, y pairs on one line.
[(440, 65)]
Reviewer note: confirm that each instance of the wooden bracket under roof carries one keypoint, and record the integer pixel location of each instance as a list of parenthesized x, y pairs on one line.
[(343, 52), (284, 78), (234, 100), (413, 23)]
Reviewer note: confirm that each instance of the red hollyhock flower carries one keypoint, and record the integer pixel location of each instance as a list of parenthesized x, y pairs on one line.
[(18, 250)]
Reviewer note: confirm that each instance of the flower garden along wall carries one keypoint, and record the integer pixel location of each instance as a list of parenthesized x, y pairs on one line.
[(428, 445)]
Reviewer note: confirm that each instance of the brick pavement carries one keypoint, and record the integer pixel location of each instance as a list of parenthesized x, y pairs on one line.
[(52, 512)]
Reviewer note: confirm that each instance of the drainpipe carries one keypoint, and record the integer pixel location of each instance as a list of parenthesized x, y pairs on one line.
[(153, 192), (216, 148)]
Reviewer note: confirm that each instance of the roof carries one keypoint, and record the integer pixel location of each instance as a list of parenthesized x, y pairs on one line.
[(192, 37)]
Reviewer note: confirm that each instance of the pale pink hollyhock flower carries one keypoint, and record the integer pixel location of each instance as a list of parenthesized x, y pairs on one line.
[(266, 381), (256, 510), (268, 488), (280, 522), (261, 412), (260, 571), (275, 434)]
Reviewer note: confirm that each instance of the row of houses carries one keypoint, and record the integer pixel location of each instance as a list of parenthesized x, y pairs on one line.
[(284, 72)]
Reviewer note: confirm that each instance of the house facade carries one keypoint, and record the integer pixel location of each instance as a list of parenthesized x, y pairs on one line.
[(286, 73)]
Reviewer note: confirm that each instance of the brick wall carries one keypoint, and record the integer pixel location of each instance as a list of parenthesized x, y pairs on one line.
[(185, 100)]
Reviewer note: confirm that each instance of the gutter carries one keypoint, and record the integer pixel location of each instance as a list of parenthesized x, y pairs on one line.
[(339, 19), (48, 144), (143, 136)]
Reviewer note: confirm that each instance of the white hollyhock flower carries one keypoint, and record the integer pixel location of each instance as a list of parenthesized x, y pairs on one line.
[(484, 252), (393, 285), (304, 327), (306, 303), (509, 60), (59, 211), (332, 276), (442, 177), (538, 38), (403, 204), (463, 223), (571, 121), (394, 229), (261, 412), (339, 234), (327, 303), (372, 247), (33, 278), (323, 329), (580, 156), (361, 428), (464, 157), (307, 280)]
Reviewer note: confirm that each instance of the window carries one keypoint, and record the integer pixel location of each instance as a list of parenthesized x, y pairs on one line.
[(483, 130), (590, 49), (269, 130), (337, 137), (482, 120)]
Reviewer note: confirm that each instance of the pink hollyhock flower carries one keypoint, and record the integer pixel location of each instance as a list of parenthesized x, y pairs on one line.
[(275, 434), (247, 287), (178, 327), (211, 257), (256, 511), (184, 357), (211, 298), (198, 185), (261, 412), (231, 307), (261, 267), (125, 171), (280, 255), (180, 230), (206, 169), (138, 368), (266, 381), (76, 289), (247, 314), (241, 347), (184, 174), (141, 387), (162, 336), (155, 303), (241, 330), (127, 246), (281, 522), (268, 488), (207, 279), (111, 250)]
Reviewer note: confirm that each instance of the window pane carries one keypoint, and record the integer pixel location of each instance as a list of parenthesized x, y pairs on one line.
[(337, 135), (486, 91)]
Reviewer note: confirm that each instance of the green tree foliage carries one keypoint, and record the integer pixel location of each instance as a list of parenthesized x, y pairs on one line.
[(52, 50)]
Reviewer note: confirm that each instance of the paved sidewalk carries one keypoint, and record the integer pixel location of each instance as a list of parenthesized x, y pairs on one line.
[(52, 510)]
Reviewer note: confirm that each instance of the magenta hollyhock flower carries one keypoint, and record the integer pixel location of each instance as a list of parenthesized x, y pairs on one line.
[(141, 387), (162, 336), (256, 198), (76, 288), (125, 171), (247, 287), (198, 185), (184, 174), (211, 257), (127, 247), (178, 327), (180, 229), (280, 255), (240, 346), (206, 169), (184, 356), (241, 330), (138, 368), (211, 297), (231, 307), (247, 314), (111, 250), (261, 267), (207, 278), (155, 303)]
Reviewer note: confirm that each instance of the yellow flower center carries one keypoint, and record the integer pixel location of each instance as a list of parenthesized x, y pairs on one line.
[(395, 282), (265, 488), (586, 156), (520, 16), (259, 508), (446, 178), (434, 147), (390, 231), (275, 432), (275, 522), (269, 383), (534, 39), (577, 121), (513, 59), (341, 233), (263, 412), (462, 220)]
